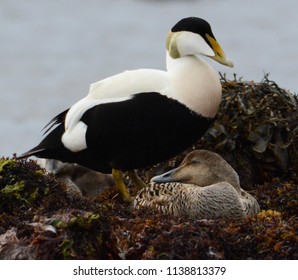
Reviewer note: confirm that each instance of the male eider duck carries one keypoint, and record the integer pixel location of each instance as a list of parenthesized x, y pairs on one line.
[(141, 117), (204, 186)]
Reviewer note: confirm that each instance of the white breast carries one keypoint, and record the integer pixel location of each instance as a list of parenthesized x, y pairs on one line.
[(196, 84)]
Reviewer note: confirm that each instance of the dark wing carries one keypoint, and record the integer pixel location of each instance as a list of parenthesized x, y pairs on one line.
[(52, 139), (55, 121)]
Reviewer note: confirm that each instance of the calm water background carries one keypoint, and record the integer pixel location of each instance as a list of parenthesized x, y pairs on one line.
[(50, 51)]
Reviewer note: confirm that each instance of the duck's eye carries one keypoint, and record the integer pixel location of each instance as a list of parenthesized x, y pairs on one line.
[(195, 161)]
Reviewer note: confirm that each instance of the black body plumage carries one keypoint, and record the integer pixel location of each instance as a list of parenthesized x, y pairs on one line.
[(141, 131)]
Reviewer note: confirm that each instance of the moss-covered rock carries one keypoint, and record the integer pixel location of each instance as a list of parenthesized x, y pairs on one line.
[(22, 185), (37, 213)]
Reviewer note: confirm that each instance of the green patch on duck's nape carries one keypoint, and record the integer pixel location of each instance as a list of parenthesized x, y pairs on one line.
[(171, 45)]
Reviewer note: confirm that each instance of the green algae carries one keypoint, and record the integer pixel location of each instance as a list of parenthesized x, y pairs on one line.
[(66, 249), (19, 185), (4, 163), (14, 191), (85, 221)]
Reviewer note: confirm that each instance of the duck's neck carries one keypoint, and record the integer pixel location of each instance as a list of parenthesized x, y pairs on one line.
[(196, 84)]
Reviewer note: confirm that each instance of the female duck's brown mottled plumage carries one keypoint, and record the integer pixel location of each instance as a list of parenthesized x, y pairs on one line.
[(204, 186)]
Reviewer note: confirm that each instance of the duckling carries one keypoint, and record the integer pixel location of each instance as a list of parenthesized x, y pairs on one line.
[(204, 186), (78, 179)]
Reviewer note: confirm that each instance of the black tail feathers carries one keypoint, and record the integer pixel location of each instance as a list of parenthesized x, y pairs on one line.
[(49, 147), (33, 152)]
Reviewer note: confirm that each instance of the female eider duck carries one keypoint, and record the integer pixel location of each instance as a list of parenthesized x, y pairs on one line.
[(141, 117), (204, 186)]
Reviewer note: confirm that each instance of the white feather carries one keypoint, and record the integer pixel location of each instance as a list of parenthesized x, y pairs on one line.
[(75, 139), (189, 43), (130, 82)]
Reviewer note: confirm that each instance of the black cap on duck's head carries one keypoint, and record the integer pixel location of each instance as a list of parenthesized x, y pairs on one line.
[(193, 24), (202, 168), (193, 36)]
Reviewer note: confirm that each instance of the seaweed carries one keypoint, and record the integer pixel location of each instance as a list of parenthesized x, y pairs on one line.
[(41, 219), (257, 122), (255, 131)]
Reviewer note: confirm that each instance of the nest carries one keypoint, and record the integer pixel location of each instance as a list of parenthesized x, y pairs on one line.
[(255, 131)]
